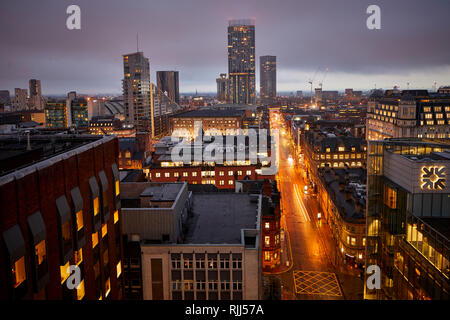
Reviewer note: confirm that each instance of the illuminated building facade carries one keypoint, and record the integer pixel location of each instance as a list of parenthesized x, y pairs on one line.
[(342, 197), (213, 122), (410, 113), (222, 174), (56, 114), (408, 218), (104, 125), (241, 61), (323, 148), (60, 207)]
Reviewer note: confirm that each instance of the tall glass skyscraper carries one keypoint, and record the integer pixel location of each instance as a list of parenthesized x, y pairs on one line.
[(268, 77), (241, 61)]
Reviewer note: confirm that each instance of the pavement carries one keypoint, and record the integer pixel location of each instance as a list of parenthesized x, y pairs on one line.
[(314, 270)]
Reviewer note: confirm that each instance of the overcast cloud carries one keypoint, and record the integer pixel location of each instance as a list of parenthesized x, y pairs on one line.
[(190, 36)]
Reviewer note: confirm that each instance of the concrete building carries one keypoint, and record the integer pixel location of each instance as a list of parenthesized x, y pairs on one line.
[(268, 78), (408, 218), (59, 200), (168, 82), (241, 61), (190, 252), (410, 113)]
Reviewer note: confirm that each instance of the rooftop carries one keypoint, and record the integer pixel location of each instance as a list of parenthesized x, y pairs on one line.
[(14, 154), (218, 218), (165, 192), (210, 113)]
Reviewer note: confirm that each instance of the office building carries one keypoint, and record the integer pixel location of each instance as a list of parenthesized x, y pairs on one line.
[(189, 251), (137, 91), (241, 61), (409, 113), (77, 111), (408, 218), (5, 99), (268, 78), (168, 82), (56, 116), (60, 203)]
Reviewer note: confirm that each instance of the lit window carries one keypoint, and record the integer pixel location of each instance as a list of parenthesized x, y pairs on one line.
[(157, 175), (119, 269), (341, 149), (116, 216), (249, 172), (96, 206), (117, 188), (18, 272), (221, 173), (194, 174), (267, 241), (104, 230), (78, 256), (79, 220), (185, 174), (230, 173), (94, 240), (65, 271), (176, 174), (80, 290), (230, 182), (267, 255), (221, 182), (107, 287), (167, 174), (267, 225)]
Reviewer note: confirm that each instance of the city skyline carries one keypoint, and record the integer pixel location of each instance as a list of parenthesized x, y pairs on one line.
[(91, 56)]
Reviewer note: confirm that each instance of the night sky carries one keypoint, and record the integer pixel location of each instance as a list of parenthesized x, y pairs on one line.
[(413, 44)]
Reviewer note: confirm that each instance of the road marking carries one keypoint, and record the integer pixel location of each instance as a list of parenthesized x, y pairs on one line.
[(316, 283)]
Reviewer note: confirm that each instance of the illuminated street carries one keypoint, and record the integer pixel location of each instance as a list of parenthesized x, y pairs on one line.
[(314, 262)]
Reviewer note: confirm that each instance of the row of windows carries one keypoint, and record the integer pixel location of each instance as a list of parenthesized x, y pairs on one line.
[(201, 285), (211, 264), (194, 174), (341, 156)]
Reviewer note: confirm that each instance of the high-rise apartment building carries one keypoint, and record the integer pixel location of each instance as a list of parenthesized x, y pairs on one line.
[(408, 218), (268, 78), (19, 102), (241, 61), (35, 101), (136, 91), (223, 88), (168, 81)]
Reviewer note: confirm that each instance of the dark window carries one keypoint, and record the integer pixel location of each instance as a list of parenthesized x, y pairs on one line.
[(40, 260), (65, 229), (15, 245), (95, 204), (104, 190)]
